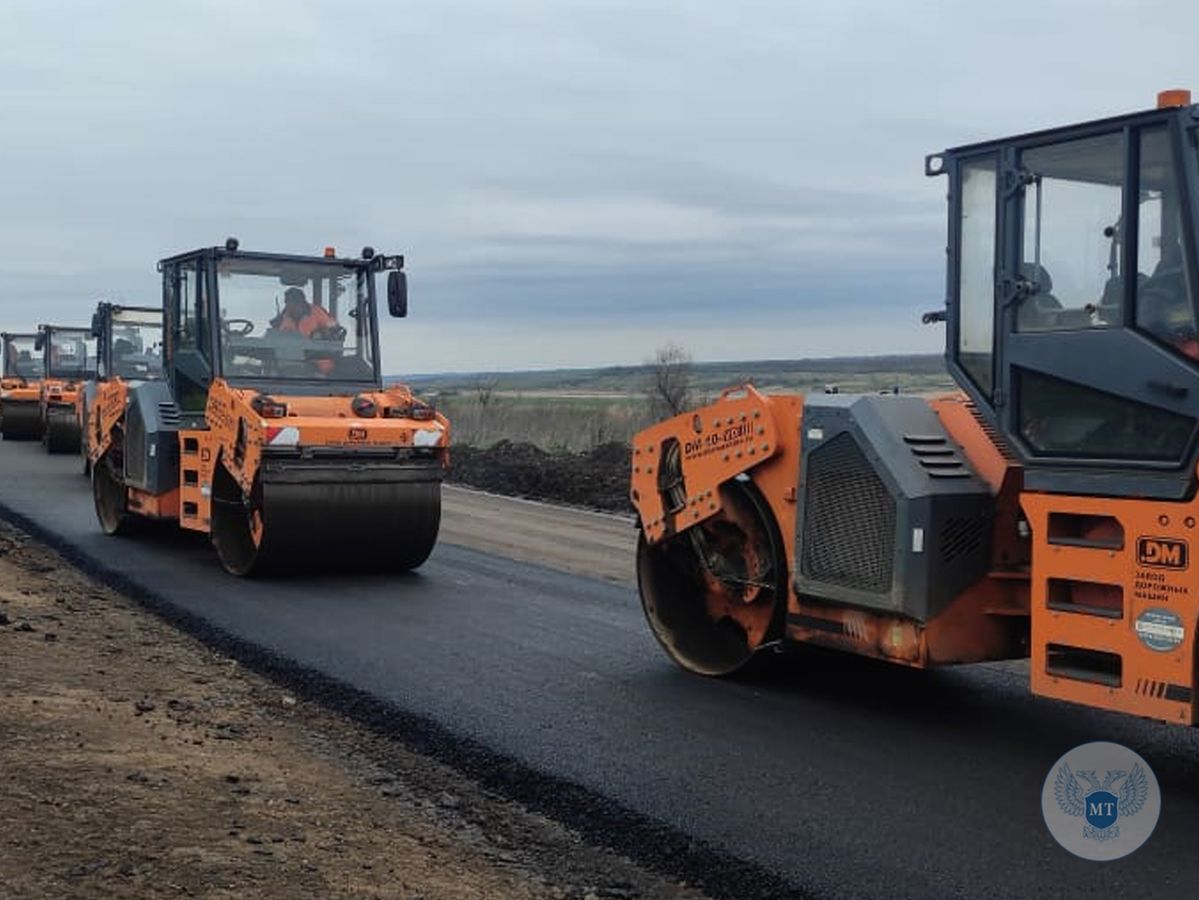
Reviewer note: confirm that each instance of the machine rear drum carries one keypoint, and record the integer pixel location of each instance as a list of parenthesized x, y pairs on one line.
[(110, 496), (715, 594)]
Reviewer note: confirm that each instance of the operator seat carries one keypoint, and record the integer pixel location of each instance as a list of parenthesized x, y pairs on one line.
[(1113, 298), (1163, 304), (1040, 310)]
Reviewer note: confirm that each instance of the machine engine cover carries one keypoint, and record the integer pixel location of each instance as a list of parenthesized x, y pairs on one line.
[(891, 516), (152, 438)]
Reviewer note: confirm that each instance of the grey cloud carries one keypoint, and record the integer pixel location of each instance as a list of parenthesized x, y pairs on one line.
[(688, 183), (766, 154)]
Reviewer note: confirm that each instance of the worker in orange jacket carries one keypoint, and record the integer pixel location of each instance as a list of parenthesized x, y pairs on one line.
[(307, 319)]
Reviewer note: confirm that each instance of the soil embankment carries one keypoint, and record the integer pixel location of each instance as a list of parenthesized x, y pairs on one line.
[(598, 478)]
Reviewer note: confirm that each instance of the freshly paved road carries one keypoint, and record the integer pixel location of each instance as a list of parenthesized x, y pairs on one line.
[(847, 778)]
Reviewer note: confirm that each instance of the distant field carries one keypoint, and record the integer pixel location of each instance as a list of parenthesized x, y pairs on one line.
[(579, 409), (567, 424), (911, 372)]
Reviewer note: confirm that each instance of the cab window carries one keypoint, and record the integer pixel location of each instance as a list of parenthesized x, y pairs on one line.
[(21, 359), (1164, 308), (1072, 235), (976, 271), (191, 369), (1061, 418)]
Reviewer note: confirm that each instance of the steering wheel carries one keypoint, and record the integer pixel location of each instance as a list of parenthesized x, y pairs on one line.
[(238, 327), (329, 333)]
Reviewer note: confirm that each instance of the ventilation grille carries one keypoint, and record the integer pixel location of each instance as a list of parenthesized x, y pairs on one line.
[(961, 537), (168, 412), (937, 456), (849, 519), (988, 429)]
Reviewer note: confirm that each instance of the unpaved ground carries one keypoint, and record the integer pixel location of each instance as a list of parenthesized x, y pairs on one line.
[(579, 541), (136, 763)]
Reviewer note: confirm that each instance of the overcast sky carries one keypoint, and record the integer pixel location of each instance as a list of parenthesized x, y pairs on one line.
[(572, 183)]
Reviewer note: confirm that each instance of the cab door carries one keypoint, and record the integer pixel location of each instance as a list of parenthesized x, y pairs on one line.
[(187, 332), (1097, 381)]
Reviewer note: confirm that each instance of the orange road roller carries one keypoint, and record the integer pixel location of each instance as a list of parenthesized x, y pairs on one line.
[(1047, 510), (128, 352), (273, 432), (68, 360), (20, 387)]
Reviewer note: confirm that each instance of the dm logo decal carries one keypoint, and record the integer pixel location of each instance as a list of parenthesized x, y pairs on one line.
[(1101, 801), (1163, 553)]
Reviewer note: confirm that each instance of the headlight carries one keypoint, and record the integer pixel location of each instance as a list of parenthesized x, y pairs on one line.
[(267, 407), (364, 407), (421, 412)]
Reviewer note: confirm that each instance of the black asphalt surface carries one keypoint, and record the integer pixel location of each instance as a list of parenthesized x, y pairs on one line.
[(843, 777)]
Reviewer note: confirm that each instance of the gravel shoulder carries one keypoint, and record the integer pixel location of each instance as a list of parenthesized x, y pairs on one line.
[(135, 762), (578, 541)]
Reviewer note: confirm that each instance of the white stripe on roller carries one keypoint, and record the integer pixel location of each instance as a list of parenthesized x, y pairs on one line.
[(287, 437), (426, 437)]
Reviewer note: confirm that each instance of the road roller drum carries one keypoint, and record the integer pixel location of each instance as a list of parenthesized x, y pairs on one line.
[(62, 433), (328, 517), (20, 420)]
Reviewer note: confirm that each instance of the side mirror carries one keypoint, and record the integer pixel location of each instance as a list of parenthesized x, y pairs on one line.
[(39, 342), (97, 326), (397, 294)]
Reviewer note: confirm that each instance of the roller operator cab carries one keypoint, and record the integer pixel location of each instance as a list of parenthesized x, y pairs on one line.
[(273, 432), (1048, 510), (128, 352), (20, 387), (69, 362)]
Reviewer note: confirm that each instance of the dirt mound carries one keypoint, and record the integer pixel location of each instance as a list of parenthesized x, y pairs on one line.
[(598, 478)]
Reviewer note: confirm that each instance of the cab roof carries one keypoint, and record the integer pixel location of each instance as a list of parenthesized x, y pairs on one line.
[(1046, 136), (378, 261)]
